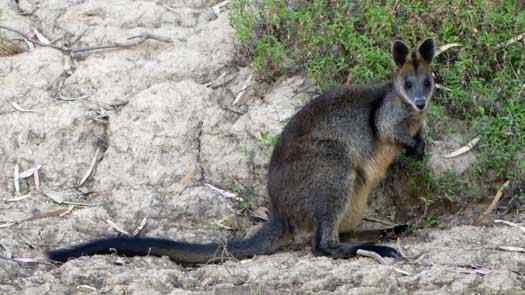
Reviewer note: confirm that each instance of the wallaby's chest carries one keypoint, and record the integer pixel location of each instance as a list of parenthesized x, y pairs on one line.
[(376, 167)]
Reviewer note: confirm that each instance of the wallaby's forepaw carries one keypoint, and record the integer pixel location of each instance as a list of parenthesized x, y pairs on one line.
[(395, 231), (417, 151), (384, 251), (400, 229)]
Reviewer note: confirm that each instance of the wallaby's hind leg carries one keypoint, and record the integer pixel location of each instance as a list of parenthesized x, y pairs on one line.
[(328, 216)]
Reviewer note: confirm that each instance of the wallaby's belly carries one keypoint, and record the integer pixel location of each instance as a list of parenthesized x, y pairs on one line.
[(375, 170)]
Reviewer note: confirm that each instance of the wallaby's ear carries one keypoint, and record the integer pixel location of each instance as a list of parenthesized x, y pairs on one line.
[(399, 52), (426, 50)]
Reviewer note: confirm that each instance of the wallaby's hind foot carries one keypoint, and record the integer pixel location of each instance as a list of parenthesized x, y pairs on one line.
[(343, 250), (384, 251), (326, 241)]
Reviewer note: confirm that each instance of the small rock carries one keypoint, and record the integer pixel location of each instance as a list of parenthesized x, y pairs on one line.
[(211, 15)]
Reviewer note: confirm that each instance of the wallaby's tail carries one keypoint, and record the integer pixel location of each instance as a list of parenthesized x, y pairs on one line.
[(269, 237)]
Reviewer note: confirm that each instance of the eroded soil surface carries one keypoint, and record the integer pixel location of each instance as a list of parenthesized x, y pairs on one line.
[(164, 125)]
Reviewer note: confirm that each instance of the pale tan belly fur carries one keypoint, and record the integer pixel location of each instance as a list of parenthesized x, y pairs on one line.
[(375, 170)]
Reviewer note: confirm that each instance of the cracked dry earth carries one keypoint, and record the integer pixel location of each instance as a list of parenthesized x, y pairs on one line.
[(158, 124)]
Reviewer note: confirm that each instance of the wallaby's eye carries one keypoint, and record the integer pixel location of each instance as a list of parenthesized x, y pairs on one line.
[(408, 84), (427, 83)]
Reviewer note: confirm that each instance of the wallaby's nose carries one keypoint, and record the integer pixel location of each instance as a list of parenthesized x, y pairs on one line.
[(420, 103)]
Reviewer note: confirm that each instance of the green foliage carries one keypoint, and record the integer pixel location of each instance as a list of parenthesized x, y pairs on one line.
[(319, 37), (431, 221), (430, 187), (248, 197), (332, 41), (267, 139)]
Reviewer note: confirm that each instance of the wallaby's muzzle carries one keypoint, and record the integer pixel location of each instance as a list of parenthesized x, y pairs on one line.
[(420, 103)]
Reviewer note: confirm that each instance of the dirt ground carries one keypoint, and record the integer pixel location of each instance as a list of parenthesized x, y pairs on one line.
[(143, 139)]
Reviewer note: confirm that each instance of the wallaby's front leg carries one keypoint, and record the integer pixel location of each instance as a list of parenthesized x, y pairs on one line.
[(414, 145), (418, 150)]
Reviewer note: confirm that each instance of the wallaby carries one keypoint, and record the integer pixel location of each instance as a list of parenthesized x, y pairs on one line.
[(328, 158)]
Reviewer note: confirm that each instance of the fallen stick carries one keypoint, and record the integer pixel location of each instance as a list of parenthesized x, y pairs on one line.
[(140, 38), (512, 40), (116, 227), (494, 203), (90, 170), (464, 149)]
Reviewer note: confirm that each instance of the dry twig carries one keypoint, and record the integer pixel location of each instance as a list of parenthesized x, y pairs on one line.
[(51, 213), (18, 198), (222, 225), (223, 193), (134, 41), (90, 170), (36, 177), (8, 224), (33, 171), (117, 228), (464, 149), (16, 179), (63, 98), (511, 41), (69, 210), (403, 272), (139, 39), (439, 86), (512, 249), (141, 226), (58, 197), (493, 204), (446, 47), (29, 172), (240, 95), (31, 40)]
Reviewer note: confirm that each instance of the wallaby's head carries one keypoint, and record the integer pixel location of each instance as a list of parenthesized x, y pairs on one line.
[(413, 80)]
